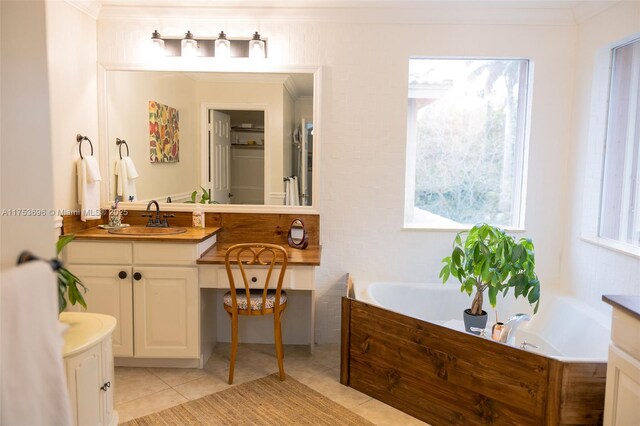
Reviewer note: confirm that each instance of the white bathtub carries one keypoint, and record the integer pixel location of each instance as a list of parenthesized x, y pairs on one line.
[(563, 328)]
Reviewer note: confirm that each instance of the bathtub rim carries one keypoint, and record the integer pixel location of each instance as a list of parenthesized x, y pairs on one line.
[(361, 292)]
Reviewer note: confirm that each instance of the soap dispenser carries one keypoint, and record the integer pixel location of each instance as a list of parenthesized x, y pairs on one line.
[(197, 218)]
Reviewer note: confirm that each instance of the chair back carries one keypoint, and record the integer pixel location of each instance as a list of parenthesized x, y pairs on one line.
[(255, 254)]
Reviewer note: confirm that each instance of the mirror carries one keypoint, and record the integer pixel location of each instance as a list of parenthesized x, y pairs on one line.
[(245, 137), (298, 237)]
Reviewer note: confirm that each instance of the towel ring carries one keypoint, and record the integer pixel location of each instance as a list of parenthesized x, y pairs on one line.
[(121, 142), (27, 256), (79, 139)]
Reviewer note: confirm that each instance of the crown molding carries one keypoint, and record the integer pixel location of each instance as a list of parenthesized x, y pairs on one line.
[(538, 12), (90, 7), (588, 9)]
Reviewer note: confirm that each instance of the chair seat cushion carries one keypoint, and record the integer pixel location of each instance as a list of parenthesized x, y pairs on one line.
[(256, 299)]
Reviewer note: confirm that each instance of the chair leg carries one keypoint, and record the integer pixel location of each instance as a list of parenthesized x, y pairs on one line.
[(234, 345), (278, 342)]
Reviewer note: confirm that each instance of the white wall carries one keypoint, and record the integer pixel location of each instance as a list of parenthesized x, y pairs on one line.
[(364, 94), (589, 270), (128, 99), (73, 95), (25, 153)]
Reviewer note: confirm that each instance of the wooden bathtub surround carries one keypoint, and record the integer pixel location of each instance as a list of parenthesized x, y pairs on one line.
[(446, 377), (250, 254)]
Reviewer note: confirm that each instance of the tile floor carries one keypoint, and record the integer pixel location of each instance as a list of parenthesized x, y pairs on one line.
[(141, 391)]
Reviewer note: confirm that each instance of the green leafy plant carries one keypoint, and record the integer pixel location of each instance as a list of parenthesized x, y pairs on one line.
[(205, 198), (68, 283), (490, 259)]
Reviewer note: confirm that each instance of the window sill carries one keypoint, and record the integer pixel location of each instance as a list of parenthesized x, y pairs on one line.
[(432, 228), (616, 246)]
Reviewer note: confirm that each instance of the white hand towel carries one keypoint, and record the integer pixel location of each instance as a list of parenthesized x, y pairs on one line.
[(132, 173), (295, 192), (125, 187), (88, 193), (33, 385), (93, 170)]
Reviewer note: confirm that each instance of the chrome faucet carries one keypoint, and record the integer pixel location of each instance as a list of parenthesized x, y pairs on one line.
[(508, 334), (157, 223)]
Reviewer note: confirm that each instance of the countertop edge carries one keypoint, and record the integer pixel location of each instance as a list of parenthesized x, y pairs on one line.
[(99, 234), (627, 303)]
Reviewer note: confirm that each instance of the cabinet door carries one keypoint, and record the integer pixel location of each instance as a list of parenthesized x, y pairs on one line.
[(107, 378), (166, 312), (84, 379), (109, 294), (623, 388)]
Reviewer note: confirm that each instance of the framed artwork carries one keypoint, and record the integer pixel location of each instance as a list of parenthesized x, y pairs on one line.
[(164, 133)]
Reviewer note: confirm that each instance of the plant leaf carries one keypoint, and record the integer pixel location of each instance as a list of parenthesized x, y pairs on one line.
[(63, 241)]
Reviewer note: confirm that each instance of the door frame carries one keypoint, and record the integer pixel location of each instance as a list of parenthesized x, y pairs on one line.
[(204, 120)]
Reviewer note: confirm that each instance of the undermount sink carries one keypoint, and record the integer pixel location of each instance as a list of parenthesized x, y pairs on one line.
[(143, 230)]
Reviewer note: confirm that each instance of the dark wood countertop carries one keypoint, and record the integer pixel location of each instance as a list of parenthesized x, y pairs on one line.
[(629, 304), (193, 235), (309, 256)]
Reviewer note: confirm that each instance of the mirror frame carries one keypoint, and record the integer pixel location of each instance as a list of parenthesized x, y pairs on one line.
[(304, 242), (208, 65)]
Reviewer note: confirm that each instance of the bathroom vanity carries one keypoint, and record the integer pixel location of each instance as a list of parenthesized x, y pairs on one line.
[(166, 290), (88, 364), (150, 285), (622, 396)]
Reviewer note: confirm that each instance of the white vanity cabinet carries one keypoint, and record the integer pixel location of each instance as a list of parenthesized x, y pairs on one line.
[(151, 288), (88, 362), (622, 397)]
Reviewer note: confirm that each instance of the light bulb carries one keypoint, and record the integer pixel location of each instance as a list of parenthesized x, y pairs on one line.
[(157, 44), (222, 46), (189, 46), (256, 47)]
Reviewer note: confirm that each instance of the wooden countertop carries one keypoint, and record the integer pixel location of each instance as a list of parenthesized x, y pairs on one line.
[(193, 235), (309, 256), (628, 304)]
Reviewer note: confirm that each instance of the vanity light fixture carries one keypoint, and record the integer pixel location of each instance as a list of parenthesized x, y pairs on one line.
[(189, 46), (157, 43), (256, 47), (222, 46)]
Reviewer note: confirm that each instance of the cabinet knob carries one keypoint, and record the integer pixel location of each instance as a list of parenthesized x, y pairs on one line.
[(122, 275), (137, 276), (254, 280), (105, 386)]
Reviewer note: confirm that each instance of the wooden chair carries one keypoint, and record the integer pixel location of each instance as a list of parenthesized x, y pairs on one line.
[(261, 301)]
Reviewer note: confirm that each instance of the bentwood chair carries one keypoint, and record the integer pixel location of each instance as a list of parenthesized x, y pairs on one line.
[(241, 300)]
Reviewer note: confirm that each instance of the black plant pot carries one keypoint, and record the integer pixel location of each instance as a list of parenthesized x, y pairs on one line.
[(479, 321)]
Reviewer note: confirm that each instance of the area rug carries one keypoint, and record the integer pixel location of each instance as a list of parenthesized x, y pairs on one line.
[(265, 401)]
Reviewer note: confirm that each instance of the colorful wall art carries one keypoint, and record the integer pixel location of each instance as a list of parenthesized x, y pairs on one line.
[(164, 133)]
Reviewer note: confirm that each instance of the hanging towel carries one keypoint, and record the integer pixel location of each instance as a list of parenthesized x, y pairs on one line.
[(88, 189), (295, 192), (132, 173), (287, 192), (125, 185), (93, 170), (33, 386)]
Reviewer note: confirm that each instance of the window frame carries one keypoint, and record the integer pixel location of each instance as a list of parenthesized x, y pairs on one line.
[(595, 157), (521, 149)]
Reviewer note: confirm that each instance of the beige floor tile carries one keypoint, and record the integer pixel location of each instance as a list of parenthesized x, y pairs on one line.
[(384, 415), (177, 376), (134, 383), (203, 386), (149, 404), (331, 387)]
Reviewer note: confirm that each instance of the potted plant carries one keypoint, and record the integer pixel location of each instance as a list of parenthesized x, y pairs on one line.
[(67, 282), (491, 260)]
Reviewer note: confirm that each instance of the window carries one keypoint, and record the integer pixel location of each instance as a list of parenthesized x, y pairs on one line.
[(620, 198), (466, 142)]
